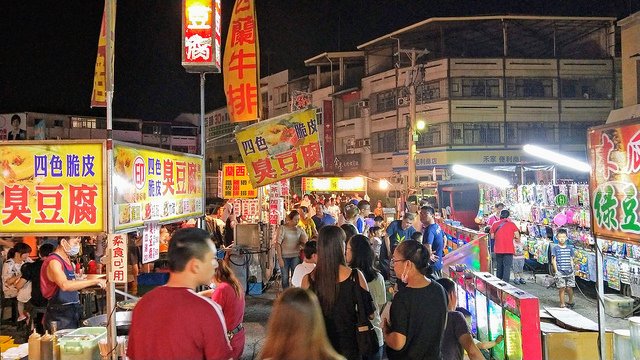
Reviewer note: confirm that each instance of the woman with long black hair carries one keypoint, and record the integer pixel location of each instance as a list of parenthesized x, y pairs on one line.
[(336, 285)]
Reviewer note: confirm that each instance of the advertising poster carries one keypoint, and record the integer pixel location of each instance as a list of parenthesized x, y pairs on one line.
[(118, 257), (281, 148), (236, 183), (13, 126), (154, 185), (279, 188), (52, 187), (39, 129), (615, 177), (331, 184), (150, 242)]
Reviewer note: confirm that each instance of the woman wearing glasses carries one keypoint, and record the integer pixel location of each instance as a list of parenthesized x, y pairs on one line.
[(419, 311)]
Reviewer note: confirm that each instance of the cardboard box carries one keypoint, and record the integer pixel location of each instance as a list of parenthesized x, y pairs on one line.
[(574, 345)]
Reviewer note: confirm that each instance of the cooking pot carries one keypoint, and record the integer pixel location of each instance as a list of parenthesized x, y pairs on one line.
[(123, 321)]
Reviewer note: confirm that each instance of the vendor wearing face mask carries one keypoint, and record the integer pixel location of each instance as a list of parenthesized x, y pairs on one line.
[(59, 286)]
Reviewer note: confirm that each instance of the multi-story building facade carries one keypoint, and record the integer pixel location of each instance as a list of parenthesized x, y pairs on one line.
[(181, 134), (487, 86)]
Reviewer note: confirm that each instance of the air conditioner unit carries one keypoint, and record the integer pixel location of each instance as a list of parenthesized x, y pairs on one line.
[(363, 103), (403, 101)]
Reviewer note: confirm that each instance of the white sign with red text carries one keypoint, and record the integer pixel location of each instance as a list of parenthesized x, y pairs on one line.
[(118, 256), (150, 242)]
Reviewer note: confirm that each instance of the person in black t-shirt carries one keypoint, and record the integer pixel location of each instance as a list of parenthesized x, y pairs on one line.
[(415, 331), (31, 272)]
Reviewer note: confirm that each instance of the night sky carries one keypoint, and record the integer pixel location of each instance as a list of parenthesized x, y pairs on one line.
[(48, 48)]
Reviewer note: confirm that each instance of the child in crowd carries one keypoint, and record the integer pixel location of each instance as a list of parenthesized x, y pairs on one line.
[(562, 261), (375, 239), (519, 247), (308, 264), (417, 236)]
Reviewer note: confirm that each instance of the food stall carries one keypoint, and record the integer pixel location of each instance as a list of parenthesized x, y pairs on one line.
[(68, 188)]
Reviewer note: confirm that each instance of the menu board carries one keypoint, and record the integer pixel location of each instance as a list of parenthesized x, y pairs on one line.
[(49, 187), (236, 183), (150, 242), (154, 185)]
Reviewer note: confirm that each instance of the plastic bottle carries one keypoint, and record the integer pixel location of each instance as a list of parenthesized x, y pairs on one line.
[(46, 347), (34, 346)]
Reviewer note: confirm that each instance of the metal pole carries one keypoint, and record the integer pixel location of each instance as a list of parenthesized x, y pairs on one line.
[(602, 344), (203, 223), (111, 287), (411, 164)]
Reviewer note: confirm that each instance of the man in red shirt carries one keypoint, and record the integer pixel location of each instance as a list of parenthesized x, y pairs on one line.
[(504, 231), (172, 321)]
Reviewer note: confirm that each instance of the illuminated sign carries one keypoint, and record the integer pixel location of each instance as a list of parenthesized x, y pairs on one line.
[(333, 184), (154, 185), (615, 178), (236, 183), (201, 35), (52, 187), (281, 148)]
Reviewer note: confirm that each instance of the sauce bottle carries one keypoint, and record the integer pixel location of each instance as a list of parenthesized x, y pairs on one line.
[(46, 347), (34, 346)]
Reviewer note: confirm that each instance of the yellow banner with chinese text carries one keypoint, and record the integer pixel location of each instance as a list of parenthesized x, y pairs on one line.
[(154, 185), (281, 148), (236, 183), (51, 187), (241, 64)]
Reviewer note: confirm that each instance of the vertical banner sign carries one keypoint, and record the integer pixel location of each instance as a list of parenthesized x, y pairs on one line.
[(241, 64), (276, 211), (237, 207), (615, 178), (150, 242), (201, 35), (219, 193), (281, 148), (99, 94), (236, 183), (327, 113), (118, 255)]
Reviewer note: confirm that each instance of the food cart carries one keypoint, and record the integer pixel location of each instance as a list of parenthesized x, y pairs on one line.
[(67, 188)]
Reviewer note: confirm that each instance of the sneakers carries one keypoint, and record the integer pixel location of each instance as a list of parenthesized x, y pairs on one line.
[(519, 281), (522, 281)]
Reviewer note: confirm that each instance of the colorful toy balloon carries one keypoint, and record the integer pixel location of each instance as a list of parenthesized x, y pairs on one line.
[(560, 219)]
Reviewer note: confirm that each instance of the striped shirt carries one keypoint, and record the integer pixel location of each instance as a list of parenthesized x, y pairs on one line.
[(564, 257)]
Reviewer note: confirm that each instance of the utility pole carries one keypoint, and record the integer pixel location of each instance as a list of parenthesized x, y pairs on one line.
[(411, 164)]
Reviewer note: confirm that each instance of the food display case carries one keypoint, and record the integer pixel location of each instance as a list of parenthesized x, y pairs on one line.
[(498, 308)]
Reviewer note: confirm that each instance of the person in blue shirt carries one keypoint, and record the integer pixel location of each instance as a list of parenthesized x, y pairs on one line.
[(433, 239), (322, 216), (397, 232), (364, 209)]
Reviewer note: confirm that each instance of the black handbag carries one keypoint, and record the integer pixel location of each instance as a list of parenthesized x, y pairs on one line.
[(365, 334)]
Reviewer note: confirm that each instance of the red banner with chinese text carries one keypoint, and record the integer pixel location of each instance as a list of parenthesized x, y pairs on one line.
[(328, 145), (281, 148), (201, 35), (615, 177), (241, 65)]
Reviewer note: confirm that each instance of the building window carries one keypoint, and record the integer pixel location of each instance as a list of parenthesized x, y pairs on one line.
[(475, 88), (351, 110), (212, 186), (524, 88), (594, 88), (58, 123), (385, 101), (383, 141), (428, 92), (476, 134), (432, 136), (531, 132), (83, 123), (576, 132)]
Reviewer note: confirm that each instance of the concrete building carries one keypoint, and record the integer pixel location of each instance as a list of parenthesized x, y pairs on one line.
[(487, 86), (630, 60), (178, 135)]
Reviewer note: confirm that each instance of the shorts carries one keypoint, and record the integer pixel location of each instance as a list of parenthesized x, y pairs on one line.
[(565, 281), (518, 265)]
